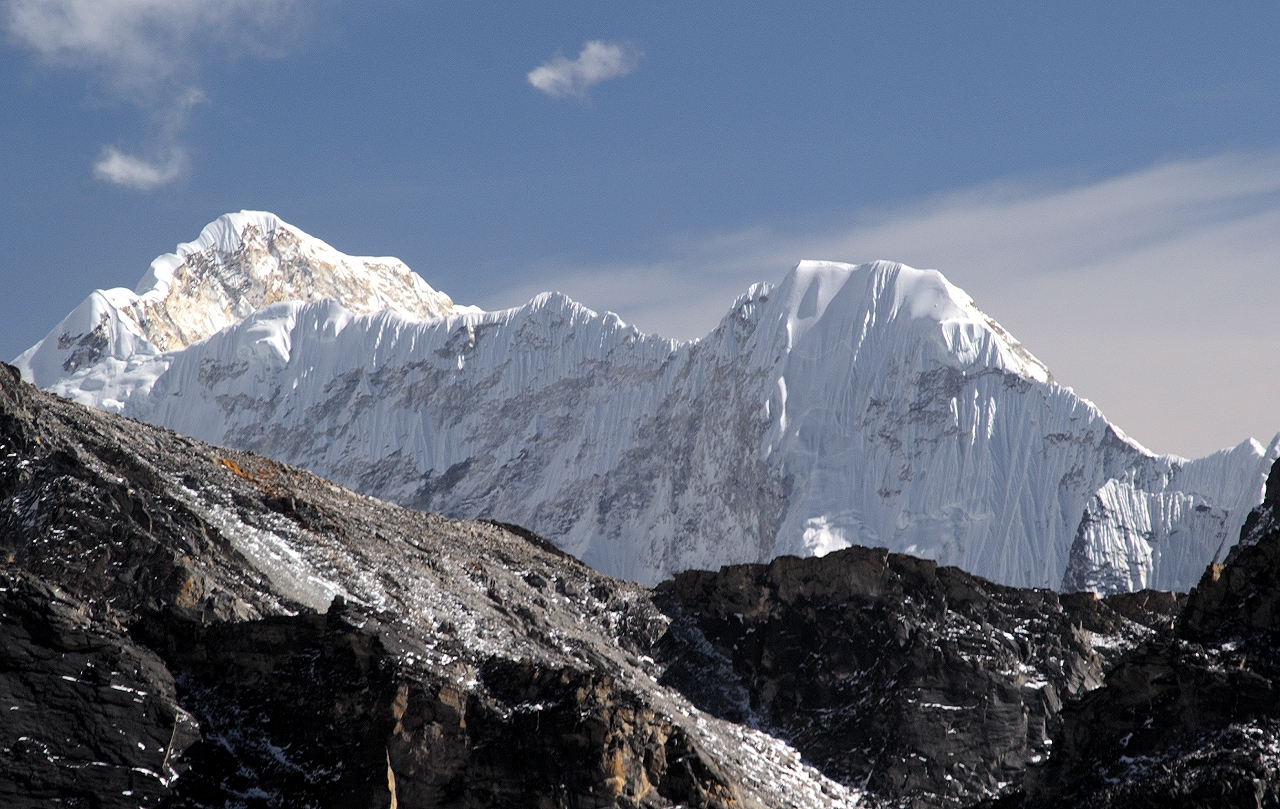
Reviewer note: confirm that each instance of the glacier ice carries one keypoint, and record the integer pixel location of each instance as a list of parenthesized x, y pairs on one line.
[(871, 404)]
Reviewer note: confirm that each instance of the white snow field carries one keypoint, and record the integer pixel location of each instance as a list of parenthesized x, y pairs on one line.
[(870, 404)]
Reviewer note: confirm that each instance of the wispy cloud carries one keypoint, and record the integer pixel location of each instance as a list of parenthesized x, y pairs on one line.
[(150, 53), (1152, 293), (598, 61), (136, 45)]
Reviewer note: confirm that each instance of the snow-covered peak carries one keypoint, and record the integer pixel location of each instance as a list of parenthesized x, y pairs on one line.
[(240, 263), (915, 305)]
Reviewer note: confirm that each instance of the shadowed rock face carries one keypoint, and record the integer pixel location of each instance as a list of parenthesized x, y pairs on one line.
[(88, 712), (923, 684), (1191, 717), (316, 709)]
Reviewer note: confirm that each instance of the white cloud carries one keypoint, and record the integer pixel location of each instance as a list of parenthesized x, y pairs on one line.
[(598, 61), (137, 45), (114, 166), (170, 161), (1154, 293)]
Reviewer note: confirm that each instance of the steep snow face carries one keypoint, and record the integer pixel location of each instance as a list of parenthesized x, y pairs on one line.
[(240, 263), (871, 405), (901, 416), (1160, 523)]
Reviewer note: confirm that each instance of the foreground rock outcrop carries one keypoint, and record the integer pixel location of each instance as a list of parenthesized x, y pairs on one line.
[(89, 713), (922, 684)]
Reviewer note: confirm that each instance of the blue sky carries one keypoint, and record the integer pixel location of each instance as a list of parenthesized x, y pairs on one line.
[(1104, 179)]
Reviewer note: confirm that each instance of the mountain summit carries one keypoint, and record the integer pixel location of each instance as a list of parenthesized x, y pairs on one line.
[(866, 405), (240, 263)]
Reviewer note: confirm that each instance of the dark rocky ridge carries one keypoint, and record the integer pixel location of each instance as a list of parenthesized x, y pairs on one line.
[(1191, 718), (926, 685), (295, 644)]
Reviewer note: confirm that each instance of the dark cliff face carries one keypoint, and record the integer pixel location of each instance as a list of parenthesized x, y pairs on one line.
[(1191, 717), (922, 684), (91, 717)]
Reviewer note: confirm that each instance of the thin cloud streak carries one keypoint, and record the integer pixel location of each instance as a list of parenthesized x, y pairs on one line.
[(598, 61), (136, 45), (170, 161), (1152, 293)]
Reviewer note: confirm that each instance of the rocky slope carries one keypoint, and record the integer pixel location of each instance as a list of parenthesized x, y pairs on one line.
[(873, 405), (192, 626)]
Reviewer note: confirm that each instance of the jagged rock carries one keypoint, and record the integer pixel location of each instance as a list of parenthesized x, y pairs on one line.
[(333, 650), (358, 729), (1192, 716), (922, 684), (302, 645)]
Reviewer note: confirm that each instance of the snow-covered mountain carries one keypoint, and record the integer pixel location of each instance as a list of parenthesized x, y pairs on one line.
[(239, 264), (871, 405)]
